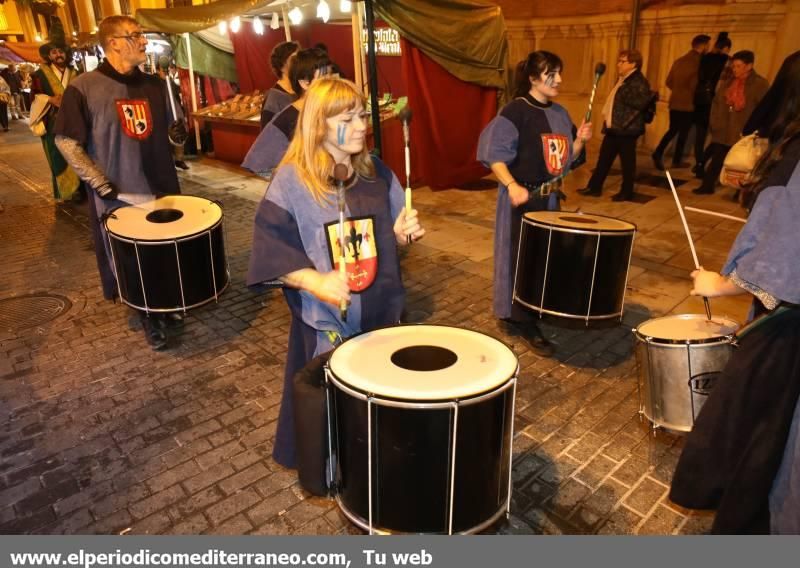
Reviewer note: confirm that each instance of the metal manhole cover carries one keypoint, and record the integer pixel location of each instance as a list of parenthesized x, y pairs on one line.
[(23, 312)]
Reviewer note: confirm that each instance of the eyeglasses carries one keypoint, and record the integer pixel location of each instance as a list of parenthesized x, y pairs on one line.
[(135, 36)]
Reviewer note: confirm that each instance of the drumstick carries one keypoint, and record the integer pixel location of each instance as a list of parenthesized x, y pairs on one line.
[(340, 175), (688, 236), (405, 117), (599, 69), (715, 214)]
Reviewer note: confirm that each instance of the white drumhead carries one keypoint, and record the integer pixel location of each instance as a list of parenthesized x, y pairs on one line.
[(166, 218), (687, 327), (464, 363), (580, 221)]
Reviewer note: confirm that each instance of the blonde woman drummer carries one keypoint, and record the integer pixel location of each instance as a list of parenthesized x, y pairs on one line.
[(296, 237)]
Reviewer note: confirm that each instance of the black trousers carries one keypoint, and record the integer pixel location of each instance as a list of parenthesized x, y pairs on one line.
[(4, 115), (679, 124), (716, 159), (612, 146), (702, 114)]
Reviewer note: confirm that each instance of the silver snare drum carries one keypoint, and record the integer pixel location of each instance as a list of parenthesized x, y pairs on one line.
[(680, 358)]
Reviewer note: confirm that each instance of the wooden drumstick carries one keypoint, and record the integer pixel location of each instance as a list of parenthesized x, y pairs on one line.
[(599, 69), (405, 117), (340, 175), (715, 214), (688, 236)]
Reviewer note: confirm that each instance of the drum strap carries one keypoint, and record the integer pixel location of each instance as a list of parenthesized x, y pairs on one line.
[(543, 191), (769, 317)]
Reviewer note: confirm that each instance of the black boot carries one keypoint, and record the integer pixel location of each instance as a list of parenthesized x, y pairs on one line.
[(153, 334)]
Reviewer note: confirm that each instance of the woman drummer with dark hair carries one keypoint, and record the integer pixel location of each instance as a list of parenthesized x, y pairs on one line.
[(296, 237), (531, 142), (743, 456)]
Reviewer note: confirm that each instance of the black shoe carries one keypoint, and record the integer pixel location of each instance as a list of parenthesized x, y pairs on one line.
[(699, 171), (170, 320), (680, 165), (181, 164), (703, 191), (155, 337), (536, 341), (621, 197), (658, 162), (589, 192)]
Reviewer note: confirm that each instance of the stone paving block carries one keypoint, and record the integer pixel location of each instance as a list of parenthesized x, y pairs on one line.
[(71, 524), (606, 497), (314, 527), (193, 525), (698, 523), (156, 523), (156, 501), (232, 505), (30, 523), (308, 510), (621, 521), (235, 526), (645, 495), (595, 471), (113, 524), (171, 477), (206, 478), (243, 478), (661, 521), (46, 496), (567, 497), (219, 454), (631, 470), (274, 505), (119, 500)]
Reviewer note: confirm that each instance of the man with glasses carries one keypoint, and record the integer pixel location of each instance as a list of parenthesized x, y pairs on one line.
[(623, 123), (113, 132), (50, 80)]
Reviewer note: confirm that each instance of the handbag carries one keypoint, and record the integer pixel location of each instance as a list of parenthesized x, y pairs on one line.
[(742, 159)]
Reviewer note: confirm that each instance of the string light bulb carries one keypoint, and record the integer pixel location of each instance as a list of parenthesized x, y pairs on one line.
[(296, 16), (258, 26), (274, 24), (345, 6), (323, 11), (236, 23), (222, 27)]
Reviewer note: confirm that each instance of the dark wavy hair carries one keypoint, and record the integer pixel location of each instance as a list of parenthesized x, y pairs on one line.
[(280, 53), (305, 64), (534, 65), (784, 128)]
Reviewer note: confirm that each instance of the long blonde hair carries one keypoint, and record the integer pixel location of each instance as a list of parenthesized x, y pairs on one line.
[(325, 98)]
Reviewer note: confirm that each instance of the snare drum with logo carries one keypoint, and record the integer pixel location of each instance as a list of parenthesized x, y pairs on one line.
[(421, 425), (680, 358)]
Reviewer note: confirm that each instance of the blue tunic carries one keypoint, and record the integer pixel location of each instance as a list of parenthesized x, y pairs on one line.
[(292, 231), (535, 141), (269, 148)]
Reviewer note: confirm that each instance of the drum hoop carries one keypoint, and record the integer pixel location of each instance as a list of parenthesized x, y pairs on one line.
[(358, 393), (602, 233), (716, 340), (563, 315), (362, 523), (180, 308), (433, 404), (631, 229), (190, 237)]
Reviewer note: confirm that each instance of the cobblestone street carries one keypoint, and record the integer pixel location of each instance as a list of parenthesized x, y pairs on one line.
[(100, 434)]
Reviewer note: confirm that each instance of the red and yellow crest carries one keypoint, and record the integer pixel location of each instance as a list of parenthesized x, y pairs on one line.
[(360, 251), (135, 117), (556, 152)]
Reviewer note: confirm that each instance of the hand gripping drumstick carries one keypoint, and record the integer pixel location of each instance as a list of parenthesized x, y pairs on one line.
[(599, 69), (688, 236), (340, 175), (405, 117)]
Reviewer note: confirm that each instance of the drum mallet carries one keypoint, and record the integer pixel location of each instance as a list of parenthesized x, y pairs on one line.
[(405, 117), (340, 175), (599, 69), (688, 236)]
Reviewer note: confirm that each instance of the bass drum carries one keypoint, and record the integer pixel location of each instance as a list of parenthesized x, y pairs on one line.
[(421, 421), (573, 265), (169, 253)]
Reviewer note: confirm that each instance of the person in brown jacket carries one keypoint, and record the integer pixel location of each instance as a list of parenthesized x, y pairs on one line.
[(735, 100), (682, 81)]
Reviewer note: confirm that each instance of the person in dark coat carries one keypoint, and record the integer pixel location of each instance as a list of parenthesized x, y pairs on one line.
[(711, 68), (623, 123)]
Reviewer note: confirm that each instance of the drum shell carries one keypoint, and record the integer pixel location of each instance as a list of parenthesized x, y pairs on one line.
[(571, 273), (175, 274), (674, 379), (411, 458)]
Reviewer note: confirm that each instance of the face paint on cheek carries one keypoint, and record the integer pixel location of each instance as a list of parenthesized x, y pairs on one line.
[(341, 130)]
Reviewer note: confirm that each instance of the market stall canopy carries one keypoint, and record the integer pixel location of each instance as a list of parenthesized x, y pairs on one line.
[(28, 51), (7, 56), (206, 59), (466, 37), (187, 19)]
